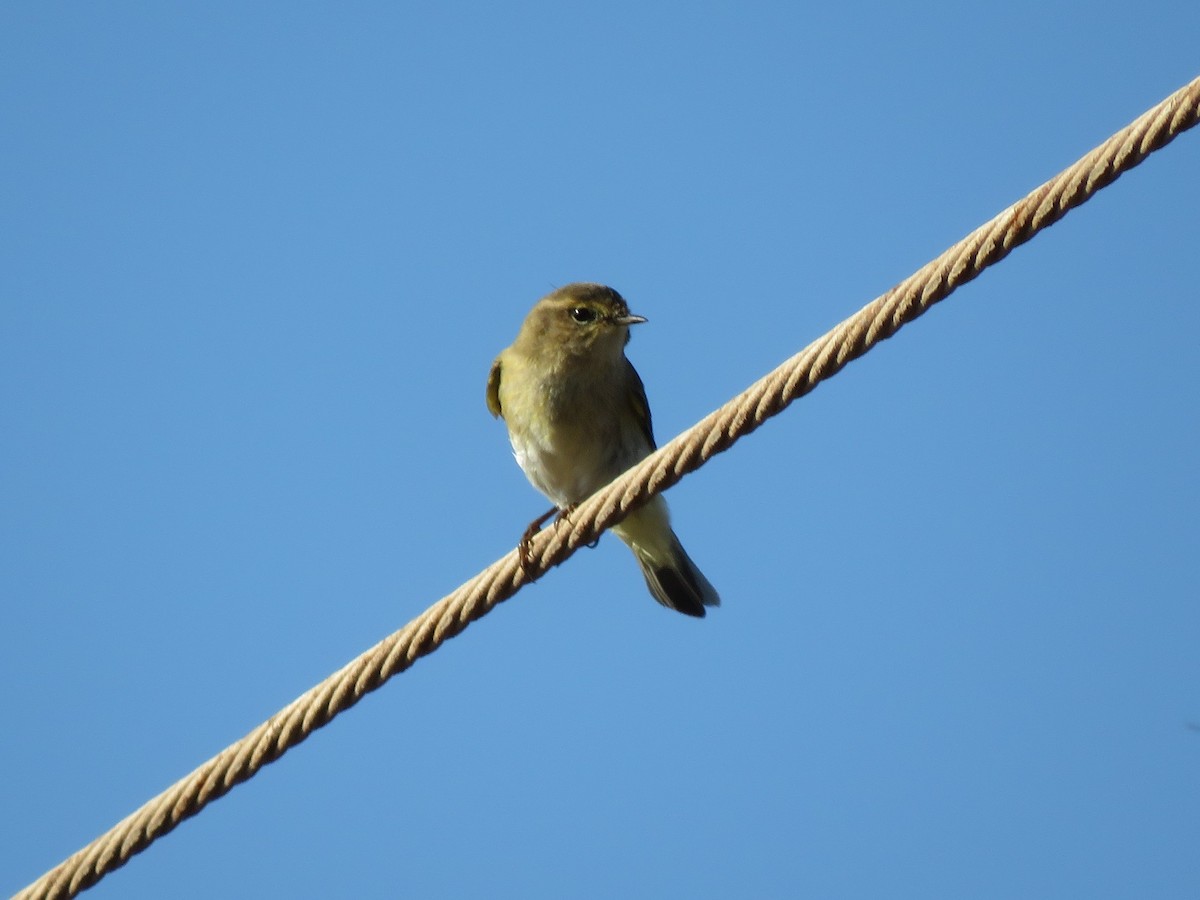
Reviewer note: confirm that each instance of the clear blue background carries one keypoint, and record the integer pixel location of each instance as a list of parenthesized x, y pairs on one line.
[(256, 262)]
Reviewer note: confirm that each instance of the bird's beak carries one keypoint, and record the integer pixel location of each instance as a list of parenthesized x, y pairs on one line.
[(629, 320)]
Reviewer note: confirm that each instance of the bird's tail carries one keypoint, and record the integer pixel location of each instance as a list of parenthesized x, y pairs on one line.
[(673, 579)]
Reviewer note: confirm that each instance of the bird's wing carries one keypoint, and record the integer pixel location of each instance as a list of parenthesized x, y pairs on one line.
[(493, 390), (641, 406)]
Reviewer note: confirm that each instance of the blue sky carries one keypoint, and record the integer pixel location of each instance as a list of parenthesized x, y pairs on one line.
[(256, 262)]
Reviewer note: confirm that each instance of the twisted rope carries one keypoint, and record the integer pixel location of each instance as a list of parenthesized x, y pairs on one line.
[(822, 359)]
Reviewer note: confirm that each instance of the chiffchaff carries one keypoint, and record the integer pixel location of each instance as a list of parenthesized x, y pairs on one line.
[(577, 418)]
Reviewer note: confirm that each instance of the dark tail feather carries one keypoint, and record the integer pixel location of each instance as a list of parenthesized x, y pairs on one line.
[(678, 584)]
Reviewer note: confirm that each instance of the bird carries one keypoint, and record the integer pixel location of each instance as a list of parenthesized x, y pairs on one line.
[(577, 417)]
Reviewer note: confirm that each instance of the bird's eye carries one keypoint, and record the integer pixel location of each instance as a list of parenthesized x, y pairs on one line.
[(583, 315)]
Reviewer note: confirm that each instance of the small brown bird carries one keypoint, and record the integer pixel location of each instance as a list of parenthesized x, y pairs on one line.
[(577, 418)]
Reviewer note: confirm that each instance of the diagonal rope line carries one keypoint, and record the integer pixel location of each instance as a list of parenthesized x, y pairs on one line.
[(769, 396)]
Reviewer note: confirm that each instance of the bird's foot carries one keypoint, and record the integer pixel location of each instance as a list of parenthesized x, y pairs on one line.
[(524, 547), (564, 515)]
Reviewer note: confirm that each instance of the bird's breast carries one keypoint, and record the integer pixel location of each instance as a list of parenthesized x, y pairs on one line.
[(567, 433)]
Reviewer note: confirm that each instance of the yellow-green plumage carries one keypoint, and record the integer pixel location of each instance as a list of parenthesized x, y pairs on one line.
[(577, 417)]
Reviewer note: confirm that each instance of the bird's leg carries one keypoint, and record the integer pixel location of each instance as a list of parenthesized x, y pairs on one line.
[(523, 555), (564, 515)]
